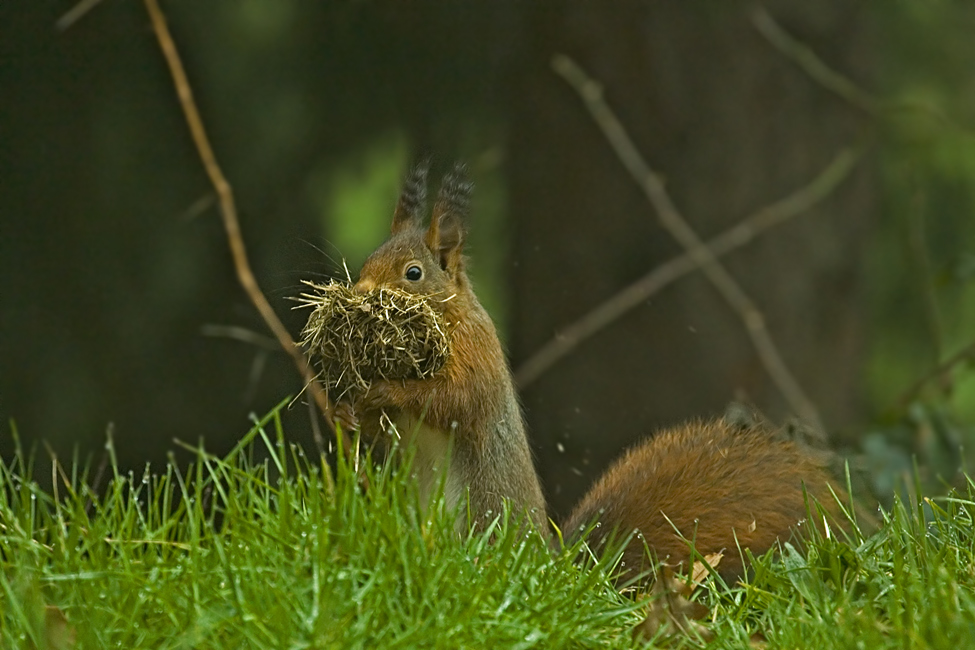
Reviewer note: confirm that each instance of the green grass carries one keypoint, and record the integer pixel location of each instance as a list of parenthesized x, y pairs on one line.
[(266, 548)]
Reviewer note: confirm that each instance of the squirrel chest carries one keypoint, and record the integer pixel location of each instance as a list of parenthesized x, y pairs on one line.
[(432, 449)]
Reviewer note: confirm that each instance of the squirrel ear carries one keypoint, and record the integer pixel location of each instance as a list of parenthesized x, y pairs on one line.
[(412, 202), (445, 236)]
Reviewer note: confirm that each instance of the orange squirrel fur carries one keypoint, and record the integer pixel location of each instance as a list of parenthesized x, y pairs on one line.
[(469, 407), (721, 484)]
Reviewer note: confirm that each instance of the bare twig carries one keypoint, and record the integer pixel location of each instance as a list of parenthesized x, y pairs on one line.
[(967, 353), (635, 294), (95, 484), (842, 86), (241, 334), (265, 346), (806, 59), (75, 14), (228, 212), (653, 187), (316, 430), (198, 207), (254, 376), (925, 272)]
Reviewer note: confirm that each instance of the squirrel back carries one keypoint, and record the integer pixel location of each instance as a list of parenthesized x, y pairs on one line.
[(469, 409), (722, 484)]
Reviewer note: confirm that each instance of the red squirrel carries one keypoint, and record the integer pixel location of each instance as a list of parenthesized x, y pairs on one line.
[(720, 483), (469, 407)]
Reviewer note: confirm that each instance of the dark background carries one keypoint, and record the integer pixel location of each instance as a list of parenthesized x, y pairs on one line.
[(113, 261)]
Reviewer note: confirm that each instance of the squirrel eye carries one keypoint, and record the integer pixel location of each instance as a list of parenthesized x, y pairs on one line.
[(414, 273)]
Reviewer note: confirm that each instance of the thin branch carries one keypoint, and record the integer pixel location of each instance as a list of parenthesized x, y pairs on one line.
[(198, 207), (967, 353), (653, 187), (572, 335), (95, 485), (918, 242), (807, 59), (316, 430), (75, 14), (241, 334), (254, 376), (228, 212), (841, 85)]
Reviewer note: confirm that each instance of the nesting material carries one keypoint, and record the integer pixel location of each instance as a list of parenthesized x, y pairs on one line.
[(358, 338)]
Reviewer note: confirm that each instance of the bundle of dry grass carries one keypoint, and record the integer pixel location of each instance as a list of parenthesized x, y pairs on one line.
[(358, 338)]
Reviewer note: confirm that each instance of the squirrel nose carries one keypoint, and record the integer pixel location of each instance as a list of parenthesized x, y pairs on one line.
[(364, 285)]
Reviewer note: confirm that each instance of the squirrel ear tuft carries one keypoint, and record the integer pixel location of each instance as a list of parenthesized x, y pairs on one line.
[(412, 201), (445, 236)]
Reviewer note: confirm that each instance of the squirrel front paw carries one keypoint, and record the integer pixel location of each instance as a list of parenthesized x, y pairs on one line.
[(377, 397), (344, 416)]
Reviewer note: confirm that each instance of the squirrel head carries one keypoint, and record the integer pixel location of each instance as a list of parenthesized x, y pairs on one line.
[(422, 260)]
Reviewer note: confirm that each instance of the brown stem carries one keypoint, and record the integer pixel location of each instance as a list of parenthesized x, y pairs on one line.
[(653, 187), (806, 58), (925, 271), (840, 85), (575, 333), (76, 13), (241, 334), (228, 212), (967, 353)]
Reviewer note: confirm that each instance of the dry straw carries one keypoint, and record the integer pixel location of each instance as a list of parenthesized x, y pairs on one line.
[(357, 338)]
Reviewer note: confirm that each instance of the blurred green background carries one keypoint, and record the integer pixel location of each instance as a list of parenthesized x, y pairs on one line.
[(114, 268)]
